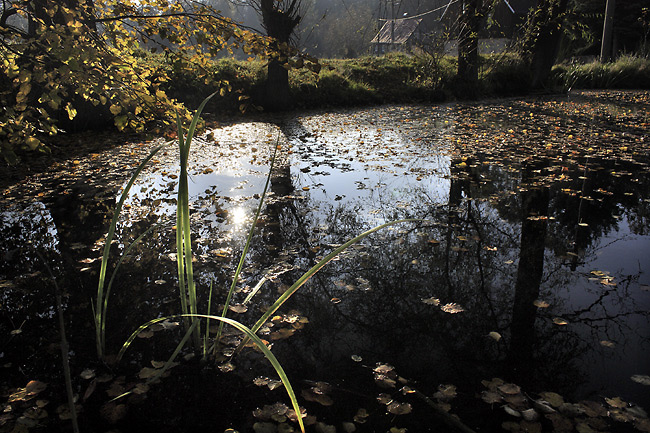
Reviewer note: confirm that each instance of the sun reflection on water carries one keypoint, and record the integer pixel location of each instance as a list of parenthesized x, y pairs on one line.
[(238, 217)]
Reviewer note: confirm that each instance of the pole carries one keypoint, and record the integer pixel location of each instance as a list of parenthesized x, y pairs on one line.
[(392, 25), (606, 44)]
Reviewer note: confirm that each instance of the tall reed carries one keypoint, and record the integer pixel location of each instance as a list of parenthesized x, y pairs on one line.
[(101, 303), (183, 231), (189, 303)]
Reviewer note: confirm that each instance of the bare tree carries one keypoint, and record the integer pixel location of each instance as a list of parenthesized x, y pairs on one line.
[(279, 19)]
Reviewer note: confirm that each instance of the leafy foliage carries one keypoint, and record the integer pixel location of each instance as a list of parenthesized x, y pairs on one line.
[(59, 59)]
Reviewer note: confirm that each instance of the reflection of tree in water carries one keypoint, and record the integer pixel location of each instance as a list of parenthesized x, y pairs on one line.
[(370, 302)]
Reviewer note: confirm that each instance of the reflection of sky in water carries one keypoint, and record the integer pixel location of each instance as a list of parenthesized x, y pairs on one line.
[(334, 159), (33, 222), (625, 257), (372, 169)]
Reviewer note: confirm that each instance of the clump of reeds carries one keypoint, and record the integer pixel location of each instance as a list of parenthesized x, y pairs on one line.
[(187, 287)]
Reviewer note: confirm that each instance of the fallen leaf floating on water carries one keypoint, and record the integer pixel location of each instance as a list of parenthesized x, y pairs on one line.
[(452, 308), (34, 387), (509, 388), (607, 343), (147, 333), (87, 374), (384, 398), (282, 333), (431, 301), (238, 308), (541, 304), (616, 402), (275, 412), (491, 397), (511, 411), (642, 379), (397, 408), (560, 321), (530, 415), (495, 335), (445, 392), (385, 376), (543, 406), (356, 358), (141, 388), (554, 399), (226, 367), (147, 373), (113, 412), (361, 416)]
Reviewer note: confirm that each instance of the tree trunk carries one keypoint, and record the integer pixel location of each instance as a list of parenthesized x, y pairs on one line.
[(543, 39), (277, 96), (279, 24), (467, 75), (534, 203)]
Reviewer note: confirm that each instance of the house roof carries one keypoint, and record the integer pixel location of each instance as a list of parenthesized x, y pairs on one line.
[(404, 28)]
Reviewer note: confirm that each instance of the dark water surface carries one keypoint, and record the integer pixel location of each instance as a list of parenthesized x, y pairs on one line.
[(530, 266)]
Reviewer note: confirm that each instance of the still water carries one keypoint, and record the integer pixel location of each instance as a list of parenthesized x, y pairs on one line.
[(528, 263)]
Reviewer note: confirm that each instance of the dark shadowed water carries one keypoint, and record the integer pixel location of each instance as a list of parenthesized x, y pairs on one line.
[(526, 274)]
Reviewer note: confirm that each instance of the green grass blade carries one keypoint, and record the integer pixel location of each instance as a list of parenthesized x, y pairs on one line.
[(247, 246), (169, 362), (183, 230), (141, 328), (195, 120), (207, 325), (100, 317), (310, 273), (250, 336), (256, 289)]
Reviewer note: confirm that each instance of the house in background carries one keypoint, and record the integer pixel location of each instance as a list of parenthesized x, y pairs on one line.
[(397, 35), (439, 23)]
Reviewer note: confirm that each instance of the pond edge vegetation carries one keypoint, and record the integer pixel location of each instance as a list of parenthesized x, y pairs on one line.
[(187, 288), (397, 78)]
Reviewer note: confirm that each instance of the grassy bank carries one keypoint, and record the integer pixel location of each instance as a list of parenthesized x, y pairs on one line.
[(628, 72), (398, 78)]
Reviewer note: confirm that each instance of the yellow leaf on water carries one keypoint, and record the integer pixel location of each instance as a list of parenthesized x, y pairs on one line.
[(495, 335), (34, 387), (616, 402), (541, 304), (452, 308), (432, 301), (642, 379), (560, 321)]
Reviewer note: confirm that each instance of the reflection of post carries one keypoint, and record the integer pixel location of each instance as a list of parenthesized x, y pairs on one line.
[(534, 202), (458, 184), (281, 186)]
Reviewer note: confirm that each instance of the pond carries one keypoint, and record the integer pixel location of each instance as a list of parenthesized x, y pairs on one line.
[(518, 298)]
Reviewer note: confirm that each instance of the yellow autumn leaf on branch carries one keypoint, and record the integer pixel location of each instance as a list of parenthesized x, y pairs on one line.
[(115, 109)]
